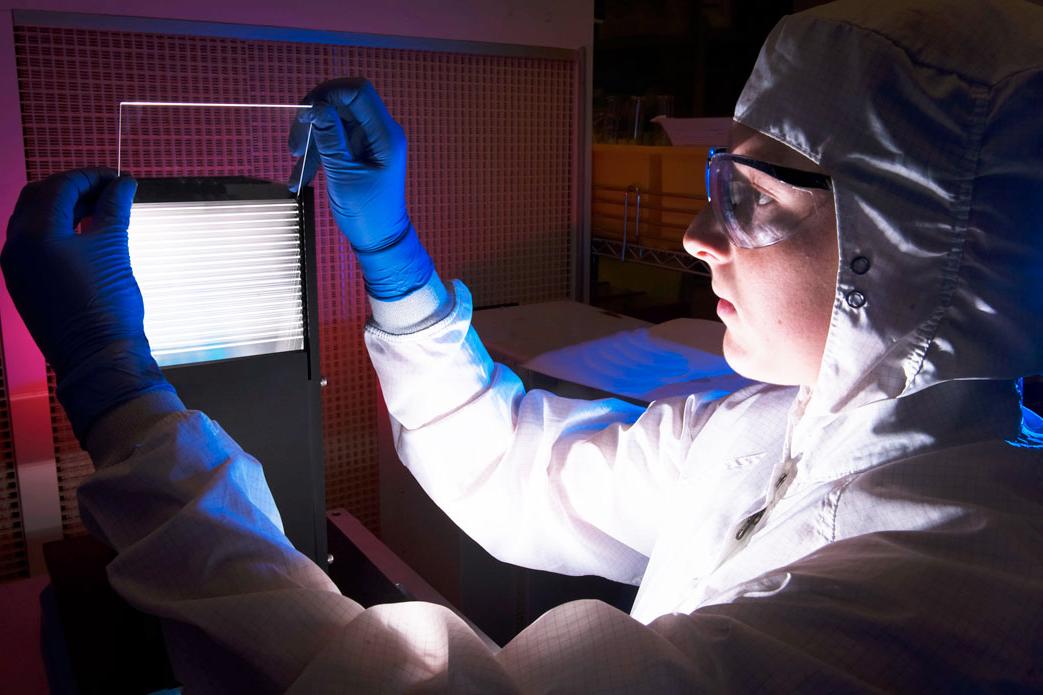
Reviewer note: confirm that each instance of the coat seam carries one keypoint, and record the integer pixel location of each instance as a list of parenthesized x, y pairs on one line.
[(913, 59), (950, 280), (836, 507)]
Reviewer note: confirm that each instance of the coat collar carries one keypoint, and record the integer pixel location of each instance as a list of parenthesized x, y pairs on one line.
[(953, 413)]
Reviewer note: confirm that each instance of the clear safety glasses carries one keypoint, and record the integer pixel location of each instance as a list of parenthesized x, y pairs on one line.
[(760, 204)]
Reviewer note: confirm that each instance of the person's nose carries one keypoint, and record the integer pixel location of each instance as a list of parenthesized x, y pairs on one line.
[(706, 240)]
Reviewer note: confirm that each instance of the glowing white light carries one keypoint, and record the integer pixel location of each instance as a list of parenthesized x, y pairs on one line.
[(219, 279)]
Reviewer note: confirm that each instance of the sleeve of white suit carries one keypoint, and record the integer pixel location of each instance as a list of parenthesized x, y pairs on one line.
[(557, 484), (200, 546)]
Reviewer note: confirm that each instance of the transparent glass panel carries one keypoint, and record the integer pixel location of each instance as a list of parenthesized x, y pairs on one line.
[(216, 249)]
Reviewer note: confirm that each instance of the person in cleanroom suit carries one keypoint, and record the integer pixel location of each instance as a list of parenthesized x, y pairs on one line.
[(869, 518)]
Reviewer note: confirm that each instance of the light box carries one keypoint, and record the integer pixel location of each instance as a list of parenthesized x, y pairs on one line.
[(220, 265)]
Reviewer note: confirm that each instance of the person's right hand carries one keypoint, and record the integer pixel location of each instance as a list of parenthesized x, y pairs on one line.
[(363, 152), (77, 293)]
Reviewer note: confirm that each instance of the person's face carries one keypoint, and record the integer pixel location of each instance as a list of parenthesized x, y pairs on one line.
[(775, 301)]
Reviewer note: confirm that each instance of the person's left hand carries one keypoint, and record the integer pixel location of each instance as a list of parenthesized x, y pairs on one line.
[(349, 131), (76, 291)]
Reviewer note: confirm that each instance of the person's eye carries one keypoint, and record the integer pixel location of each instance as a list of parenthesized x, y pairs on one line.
[(763, 199)]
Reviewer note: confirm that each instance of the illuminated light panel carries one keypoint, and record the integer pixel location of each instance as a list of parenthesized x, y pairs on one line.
[(219, 279)]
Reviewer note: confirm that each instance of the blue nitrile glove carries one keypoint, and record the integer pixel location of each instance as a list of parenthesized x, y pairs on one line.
[(363, 151), (76, 292)]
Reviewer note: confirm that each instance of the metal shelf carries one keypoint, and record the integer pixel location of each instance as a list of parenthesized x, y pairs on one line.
[(671, 260)]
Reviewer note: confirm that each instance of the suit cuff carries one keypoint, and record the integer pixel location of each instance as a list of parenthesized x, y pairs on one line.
[(115, 435), (419, 309)]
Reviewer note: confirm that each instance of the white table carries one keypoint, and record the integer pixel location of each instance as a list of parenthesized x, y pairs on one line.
[(579, 350)]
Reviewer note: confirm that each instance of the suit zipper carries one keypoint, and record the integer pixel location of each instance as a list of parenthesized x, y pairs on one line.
[(749, 523)]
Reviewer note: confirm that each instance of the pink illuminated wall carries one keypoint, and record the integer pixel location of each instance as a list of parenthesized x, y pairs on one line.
[(554, 23), (13, 560)]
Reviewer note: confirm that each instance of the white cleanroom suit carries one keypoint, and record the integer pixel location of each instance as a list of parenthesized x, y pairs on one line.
[(883, 531)]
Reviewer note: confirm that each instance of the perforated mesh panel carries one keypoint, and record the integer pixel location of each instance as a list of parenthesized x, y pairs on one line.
[(14, 562), (489, 182)]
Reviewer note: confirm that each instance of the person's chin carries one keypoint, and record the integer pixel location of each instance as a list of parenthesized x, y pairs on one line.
[(736, 355), (758, 366)]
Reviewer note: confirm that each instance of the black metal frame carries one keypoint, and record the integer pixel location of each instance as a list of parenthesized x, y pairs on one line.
[(270, 404)]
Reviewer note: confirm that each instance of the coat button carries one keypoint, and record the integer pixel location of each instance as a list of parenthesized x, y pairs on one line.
[(856, 299), (860, 265)]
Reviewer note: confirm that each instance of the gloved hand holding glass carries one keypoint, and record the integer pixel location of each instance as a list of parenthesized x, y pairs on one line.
[(76, 291), (363, 152)]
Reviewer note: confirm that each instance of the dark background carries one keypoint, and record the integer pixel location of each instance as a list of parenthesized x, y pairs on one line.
[(698, 51)]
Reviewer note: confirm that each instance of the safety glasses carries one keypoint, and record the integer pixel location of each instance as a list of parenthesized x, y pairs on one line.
[(760, 204)]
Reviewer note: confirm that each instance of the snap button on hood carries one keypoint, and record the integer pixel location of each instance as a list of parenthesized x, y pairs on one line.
[(855, 299)]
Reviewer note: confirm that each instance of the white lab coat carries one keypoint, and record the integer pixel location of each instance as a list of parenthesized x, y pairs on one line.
[(883, 531)]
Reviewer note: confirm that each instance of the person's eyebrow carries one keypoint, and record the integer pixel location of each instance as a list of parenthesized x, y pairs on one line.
[(764, 181)]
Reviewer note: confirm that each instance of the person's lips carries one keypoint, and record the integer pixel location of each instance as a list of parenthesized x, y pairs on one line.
[(724, 306)]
